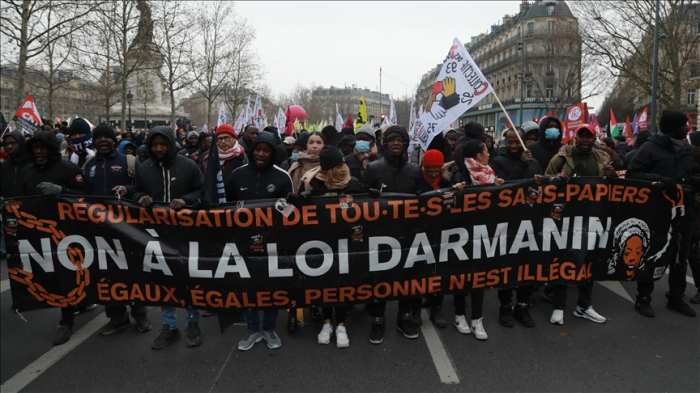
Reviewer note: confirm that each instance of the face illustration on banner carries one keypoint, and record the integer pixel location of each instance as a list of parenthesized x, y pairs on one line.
[(630, 245)]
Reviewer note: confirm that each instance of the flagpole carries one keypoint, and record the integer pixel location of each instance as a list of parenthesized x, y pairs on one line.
[(511, 121)]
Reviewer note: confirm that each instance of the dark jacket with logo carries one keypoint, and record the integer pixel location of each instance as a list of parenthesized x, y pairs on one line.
[(543, 150), (250, 182), (509, 166), (11, 180), (54, 170), (175, 177), (104, 173), (658, 160)]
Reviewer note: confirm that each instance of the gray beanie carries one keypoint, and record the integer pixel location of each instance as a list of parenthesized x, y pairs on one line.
[(529, 126), (367, 129), (192, 133)]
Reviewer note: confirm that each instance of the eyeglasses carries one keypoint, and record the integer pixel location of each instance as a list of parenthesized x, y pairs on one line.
[(224, 138)]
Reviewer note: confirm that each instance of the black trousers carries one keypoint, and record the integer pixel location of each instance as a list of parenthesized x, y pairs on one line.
[(119, 314), (340, 312), (677, 268), (477, 304), (523, 295), (585, 292)]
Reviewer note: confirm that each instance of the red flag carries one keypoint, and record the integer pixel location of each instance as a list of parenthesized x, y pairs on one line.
[(548, 114), (348, 122), (642, 121), (690, 126), (628, 132), (598, 130), (576, 115), (27, 117)]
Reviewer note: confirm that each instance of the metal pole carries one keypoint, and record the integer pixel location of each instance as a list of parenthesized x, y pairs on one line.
[(655, 78), (380, 92), (522, 81)]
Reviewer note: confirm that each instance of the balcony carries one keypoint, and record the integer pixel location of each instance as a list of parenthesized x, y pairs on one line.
[(498, 47), (501, 63)]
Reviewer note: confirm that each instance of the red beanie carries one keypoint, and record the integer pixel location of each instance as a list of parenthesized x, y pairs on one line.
[(433, 158), (226, 129)]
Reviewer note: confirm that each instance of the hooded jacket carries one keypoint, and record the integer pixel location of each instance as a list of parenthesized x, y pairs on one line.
[(175, 177), (250, 182), (11, 180), (124, 144), (509, 166), (657, 160), (394, 172), (54, 170), (543, 150), (104, 173)]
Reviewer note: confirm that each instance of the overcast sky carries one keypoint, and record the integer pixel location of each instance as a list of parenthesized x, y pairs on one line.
[(345, 43)]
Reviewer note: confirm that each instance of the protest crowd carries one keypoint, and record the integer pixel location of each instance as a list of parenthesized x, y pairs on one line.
[(79, 159)]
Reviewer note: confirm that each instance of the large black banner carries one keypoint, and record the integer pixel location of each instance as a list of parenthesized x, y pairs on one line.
[(337, 250)]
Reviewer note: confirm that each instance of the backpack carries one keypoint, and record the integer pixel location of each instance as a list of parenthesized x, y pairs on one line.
[(130, 162)]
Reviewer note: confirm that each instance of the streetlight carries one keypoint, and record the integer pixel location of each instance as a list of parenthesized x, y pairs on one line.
[(522, 80), (129, 98)]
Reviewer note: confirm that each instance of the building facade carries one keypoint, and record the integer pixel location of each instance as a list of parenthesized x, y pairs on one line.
[(348, 100)]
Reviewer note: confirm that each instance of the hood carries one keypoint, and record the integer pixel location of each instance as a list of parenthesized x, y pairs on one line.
[(167, 134), (123, 144), (49, 139), (20, 141), (642, 137), (266, 137), (543, 127), (392, 132)]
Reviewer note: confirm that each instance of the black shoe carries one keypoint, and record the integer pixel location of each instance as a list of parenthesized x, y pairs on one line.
[(696, 299), (505, 316), (376, 335), (643, 306), (194, 334), (680, 306), (415, 317), (166, 337), (62, 335), (436, 317), (426, 302), (406, 326), (315, 314), (292, 322), (522, 315)]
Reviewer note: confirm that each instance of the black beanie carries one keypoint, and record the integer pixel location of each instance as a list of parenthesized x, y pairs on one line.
[(672, 120), (332, 135), (620, 138), (348, 130), (301, 141), (79, 126), (104, 129), (330, 157)]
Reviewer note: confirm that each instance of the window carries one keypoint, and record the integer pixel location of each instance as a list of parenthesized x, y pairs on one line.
[(531, 27), (7, 103), (529, 68), (550, 27), (550, 48), (549, 92), (694, 70), (528, 91), (691, 97), (693, 54), (550, 9), (529, 47)]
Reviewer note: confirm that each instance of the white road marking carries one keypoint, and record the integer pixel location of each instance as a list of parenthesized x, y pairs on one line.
[(152, 232), (616, 287), (446, 370), (23, 378), (4, 285)]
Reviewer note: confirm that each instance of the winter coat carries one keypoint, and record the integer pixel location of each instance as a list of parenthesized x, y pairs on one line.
[(657, 160), (622, 149), (54, 170), (510, 167), (355, 165), (564, 161), (543, 150), (11, 181), (176, 177), (104, 173), (250, 182), (227, 170), (318, 188), (395, 173)]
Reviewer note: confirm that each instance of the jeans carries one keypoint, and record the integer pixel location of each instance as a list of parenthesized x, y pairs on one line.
[(377, 310), (585, 292), (340, 312), (253, 319), (678, 268), (523, 295), (170, 318), (67, 315), (477, 304), (119, 314)]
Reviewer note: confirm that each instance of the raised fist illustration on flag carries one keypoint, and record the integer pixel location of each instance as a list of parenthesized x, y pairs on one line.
[(449, 98)]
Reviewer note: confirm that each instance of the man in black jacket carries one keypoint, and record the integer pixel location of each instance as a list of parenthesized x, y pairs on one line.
[(169, 177), (11, 169), (260, 179), (549, 141), (668, 159), (49, 175), (393, 173)]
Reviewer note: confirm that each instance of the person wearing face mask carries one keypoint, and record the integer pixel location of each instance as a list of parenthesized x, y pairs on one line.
[(365, 151), (308, 159), (80, 143), (548, 142)]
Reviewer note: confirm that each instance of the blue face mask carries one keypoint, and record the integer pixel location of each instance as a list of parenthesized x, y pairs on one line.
[(552, 133), (295, 156), (362, 146)]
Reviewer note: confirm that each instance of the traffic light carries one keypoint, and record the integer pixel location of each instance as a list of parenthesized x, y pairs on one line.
[(383, 116), (520, 45)]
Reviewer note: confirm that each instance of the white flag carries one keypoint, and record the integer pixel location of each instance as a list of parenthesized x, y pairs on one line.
[(338, 119), (249, 114), (414, 130), (459, 86), (240, 122), (281, 121), (412, 114), (223, 116), (385, 122), (392, 112), (259, 114)]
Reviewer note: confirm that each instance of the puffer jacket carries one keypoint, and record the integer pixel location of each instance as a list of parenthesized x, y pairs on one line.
[(509, 166), (543, 150), (55, 170), (394, 172), (176, 177), (657, 160), (11, 181), (104, 173)]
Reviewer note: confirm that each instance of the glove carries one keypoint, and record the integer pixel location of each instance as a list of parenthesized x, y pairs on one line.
[(305, 196), (374, 193), (294, 199), (49, 188)]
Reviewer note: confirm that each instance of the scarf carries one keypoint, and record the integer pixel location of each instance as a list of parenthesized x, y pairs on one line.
[(331, 184), (82, 145), (434, 184), (233, 152), (480, 174)]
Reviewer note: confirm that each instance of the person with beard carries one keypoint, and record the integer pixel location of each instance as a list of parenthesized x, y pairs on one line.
[(260, 179), (250, 132), (393, 173), (48, 174), (191, 148), (548, 142), (667, 158), (365, 151), (110, 173), (170, 178), (231, 156), (11, 181), (515, 163), (593, 162), (80, 148)]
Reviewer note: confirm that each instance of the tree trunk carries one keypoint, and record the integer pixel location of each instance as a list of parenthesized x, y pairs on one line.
[(23, 53)]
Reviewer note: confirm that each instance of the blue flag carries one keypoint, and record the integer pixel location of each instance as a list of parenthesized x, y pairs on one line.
[(213, 186)]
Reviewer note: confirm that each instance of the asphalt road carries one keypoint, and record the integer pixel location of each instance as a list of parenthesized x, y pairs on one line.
[(627, 353)]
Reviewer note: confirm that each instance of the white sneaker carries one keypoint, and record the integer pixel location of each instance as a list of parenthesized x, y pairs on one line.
[(325, 336), (590, 314), (461, 324), (341, 337), (557, 317), (478, 328)]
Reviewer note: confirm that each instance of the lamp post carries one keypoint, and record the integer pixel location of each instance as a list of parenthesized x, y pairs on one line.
[(129, 98), (522, 80)]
